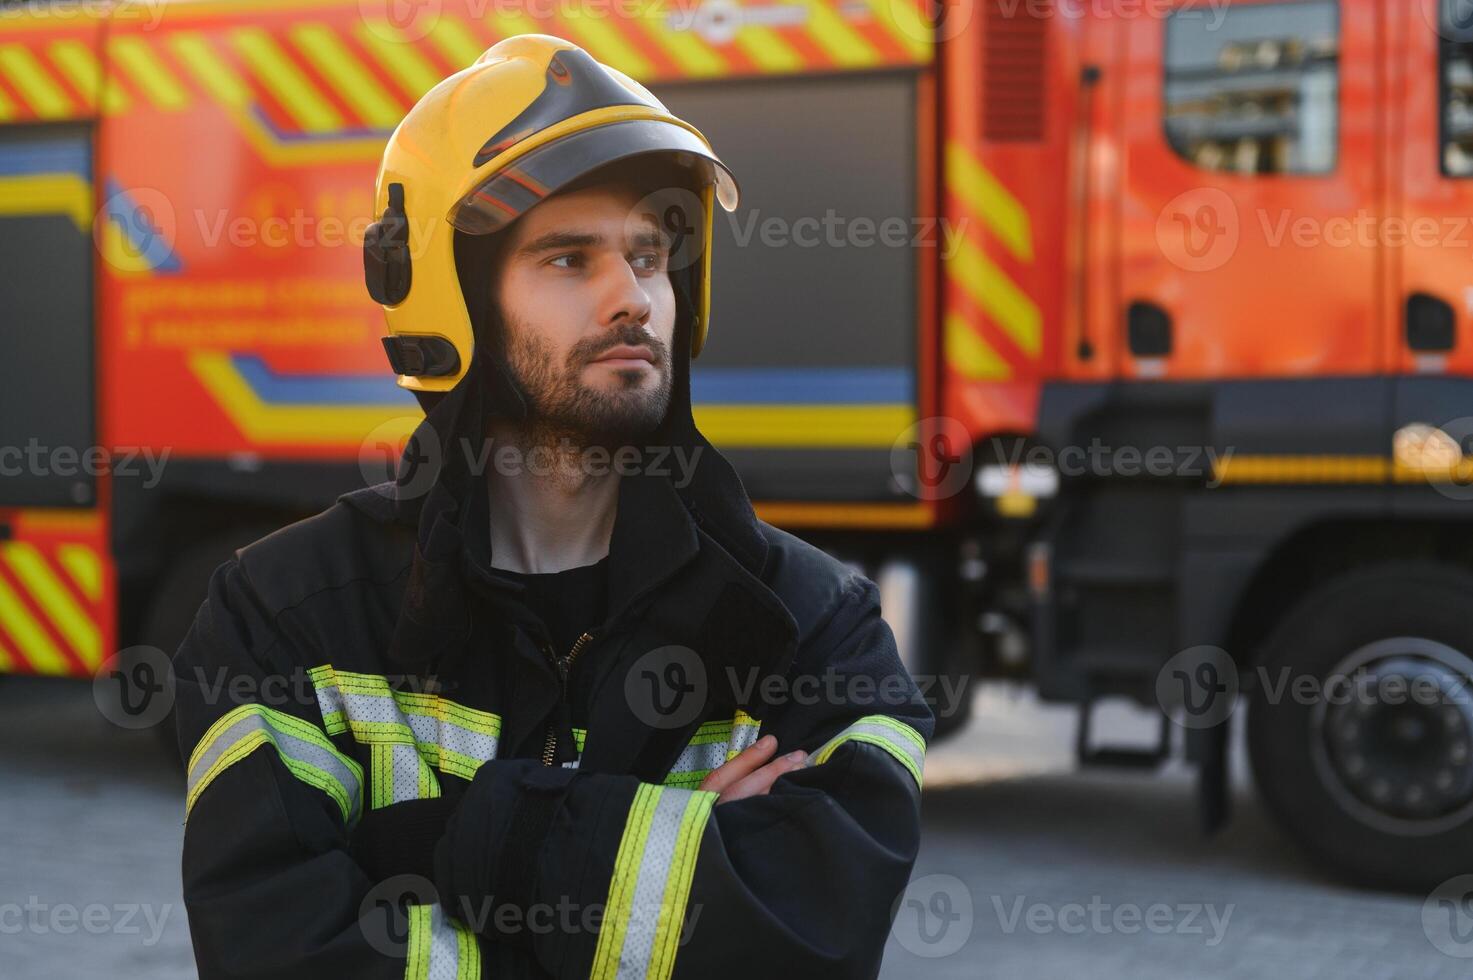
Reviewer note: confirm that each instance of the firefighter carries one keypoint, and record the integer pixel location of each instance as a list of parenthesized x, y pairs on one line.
[(478, 720)]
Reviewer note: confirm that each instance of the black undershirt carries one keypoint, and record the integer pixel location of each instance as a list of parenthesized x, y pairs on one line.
[(569, 603)]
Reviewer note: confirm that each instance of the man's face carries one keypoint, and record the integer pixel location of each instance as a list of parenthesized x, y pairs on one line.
[(589, 313)]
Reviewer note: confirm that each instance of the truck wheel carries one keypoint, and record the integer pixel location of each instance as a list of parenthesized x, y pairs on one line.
[(1360, 726), (177, 597)]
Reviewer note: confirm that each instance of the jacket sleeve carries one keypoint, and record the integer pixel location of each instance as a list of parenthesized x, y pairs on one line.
[(634, 879), (270, 884)]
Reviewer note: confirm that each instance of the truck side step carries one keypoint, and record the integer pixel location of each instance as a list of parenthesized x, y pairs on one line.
[(1131, 757)]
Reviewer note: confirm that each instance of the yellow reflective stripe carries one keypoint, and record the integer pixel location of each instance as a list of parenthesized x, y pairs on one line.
[(651, 882), (286, 82), (347, 75), (302, 748), (222, 83), (140, 64), (440, 948), (29, 636), (605, 42), (456, 42), (989, 201), (70, 619), (768, 49), (991, 289), (844, 44), (83, 565), (398, 56), (971, 356), (897, 738), (35, 84), (684, 47), (82, 69)]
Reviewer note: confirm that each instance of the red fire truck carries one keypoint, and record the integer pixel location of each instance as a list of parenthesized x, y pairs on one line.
[(1126, 344)]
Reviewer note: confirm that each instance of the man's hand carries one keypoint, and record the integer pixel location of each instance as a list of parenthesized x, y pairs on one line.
[(750, 773)]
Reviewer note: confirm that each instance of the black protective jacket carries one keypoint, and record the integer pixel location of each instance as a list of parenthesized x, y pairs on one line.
[(367, 715)]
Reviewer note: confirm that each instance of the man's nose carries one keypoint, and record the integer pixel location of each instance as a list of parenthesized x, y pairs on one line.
[(625, 296)]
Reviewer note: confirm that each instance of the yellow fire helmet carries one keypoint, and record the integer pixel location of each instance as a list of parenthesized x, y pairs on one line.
[(533, 114)]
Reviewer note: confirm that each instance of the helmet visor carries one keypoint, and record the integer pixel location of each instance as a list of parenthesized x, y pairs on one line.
[(508, 194)]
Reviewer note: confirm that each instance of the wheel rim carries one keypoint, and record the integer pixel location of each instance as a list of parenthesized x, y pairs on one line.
[(1392, 736)]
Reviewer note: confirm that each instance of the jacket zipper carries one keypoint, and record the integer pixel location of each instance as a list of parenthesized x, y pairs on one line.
[(563, 667)]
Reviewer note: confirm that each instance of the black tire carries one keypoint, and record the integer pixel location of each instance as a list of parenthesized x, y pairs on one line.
[(1347, 775), (177, 597)]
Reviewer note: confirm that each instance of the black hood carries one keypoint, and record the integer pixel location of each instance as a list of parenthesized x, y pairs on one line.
[(436, 490)]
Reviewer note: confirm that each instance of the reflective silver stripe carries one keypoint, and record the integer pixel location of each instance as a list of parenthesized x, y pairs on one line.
[(653, 870), (744, 733), (890, 734), (302, 748), (700, 758), (440, 948), (454, 738)]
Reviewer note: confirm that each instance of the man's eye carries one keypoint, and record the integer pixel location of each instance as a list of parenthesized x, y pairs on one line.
[(572, 259), (648, 260)]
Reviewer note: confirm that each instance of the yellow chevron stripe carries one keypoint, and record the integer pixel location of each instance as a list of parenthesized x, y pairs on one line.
[(767, 48), (275, 70), (990, 288), (7, 108), (7, 661), (820, 426), (903, 20), (262, 422), (151, 75), (456, 42), (77, 62), (221, 82), (67, 194), (85, 568), (29, 638), (689, 51), (70, 619), (989, 201), (602, 40), (35, 84), (509, 23), (845, 45), (346, 74), (972, 357), (399, 57)]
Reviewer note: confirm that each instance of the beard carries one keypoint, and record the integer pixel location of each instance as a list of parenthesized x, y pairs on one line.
[(560, 405)]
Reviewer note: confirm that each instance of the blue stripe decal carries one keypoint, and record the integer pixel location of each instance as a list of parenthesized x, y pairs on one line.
[(320, 389), (137, 226), (802, 386), (354, 133), (55, 157), (710, 386)]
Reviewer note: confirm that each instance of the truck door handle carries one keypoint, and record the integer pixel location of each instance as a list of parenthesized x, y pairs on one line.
[(1148, 329), (1431, 324)]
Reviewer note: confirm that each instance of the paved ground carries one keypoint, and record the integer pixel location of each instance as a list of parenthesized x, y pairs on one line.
[(1066, 875)]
